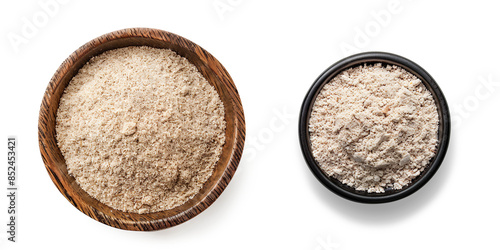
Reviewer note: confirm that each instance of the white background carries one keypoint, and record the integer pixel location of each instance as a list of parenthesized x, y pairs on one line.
[(274, 50)]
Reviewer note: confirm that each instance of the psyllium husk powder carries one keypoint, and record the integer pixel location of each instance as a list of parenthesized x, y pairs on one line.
[(140, 129), (374, 127)]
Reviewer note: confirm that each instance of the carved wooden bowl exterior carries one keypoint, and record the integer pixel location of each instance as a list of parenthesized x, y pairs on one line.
[(211, 69)]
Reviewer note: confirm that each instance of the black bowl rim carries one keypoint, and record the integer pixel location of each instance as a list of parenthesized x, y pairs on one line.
[(374, 57)]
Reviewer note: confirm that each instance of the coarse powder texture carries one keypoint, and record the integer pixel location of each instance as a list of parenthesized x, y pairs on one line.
[(140, 129), (374, 127)]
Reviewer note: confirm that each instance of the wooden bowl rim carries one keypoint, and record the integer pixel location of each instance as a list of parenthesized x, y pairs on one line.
[(220, 184)]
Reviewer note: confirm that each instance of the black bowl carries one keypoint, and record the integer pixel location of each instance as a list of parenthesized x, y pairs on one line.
[(390, 194)]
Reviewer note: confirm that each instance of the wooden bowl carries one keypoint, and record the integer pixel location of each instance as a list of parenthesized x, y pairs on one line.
[(211, 69)]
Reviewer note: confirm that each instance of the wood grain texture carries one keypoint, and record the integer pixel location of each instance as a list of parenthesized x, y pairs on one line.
[(211, 69)]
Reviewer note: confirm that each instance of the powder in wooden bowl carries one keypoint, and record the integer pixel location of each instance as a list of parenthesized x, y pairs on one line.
[(374, 127), (140, 129)]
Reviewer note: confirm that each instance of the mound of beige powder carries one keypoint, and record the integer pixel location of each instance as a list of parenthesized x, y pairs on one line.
[(140, 128), (374, 127)]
